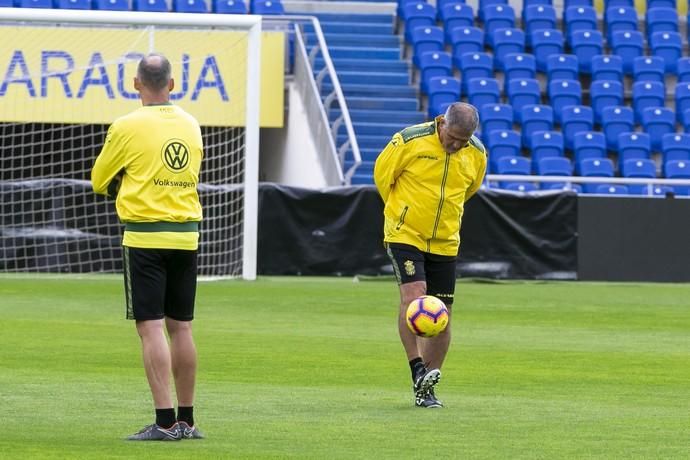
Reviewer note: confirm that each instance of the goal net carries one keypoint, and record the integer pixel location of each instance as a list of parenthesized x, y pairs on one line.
[(65, 76)]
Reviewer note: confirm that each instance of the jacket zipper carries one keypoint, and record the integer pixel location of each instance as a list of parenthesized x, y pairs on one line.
[(402, 218), (440, 203)]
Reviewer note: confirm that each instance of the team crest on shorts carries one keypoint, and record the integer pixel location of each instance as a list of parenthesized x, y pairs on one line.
[(409, 268)]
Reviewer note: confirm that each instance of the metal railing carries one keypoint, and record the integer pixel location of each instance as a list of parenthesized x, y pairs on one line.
[(568, 180)]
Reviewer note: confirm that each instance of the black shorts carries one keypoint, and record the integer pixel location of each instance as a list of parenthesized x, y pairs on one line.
[(160, 283), (410, 264)]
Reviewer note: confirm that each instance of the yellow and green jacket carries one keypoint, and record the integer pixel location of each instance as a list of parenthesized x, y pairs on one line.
[(425, 189)]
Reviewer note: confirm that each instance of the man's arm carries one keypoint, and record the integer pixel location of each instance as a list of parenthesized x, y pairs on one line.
[(388, 166), (108, 165), (481, 172)]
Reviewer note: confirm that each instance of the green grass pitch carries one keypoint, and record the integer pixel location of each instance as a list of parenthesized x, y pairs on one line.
[(313, 368)]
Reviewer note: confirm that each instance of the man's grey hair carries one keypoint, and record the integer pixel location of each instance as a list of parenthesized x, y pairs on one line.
[(154, 71), (462, 114)]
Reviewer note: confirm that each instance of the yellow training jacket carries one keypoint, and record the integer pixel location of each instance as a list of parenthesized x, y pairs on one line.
[(424, 188), (159, 149)]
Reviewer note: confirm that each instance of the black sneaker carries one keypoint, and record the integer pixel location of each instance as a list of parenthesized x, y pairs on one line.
[(426, 379), (157, 433), (427, 399), (189, 432)]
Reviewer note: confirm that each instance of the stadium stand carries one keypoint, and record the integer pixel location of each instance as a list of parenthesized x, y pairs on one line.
[(647, 94), (683, 69), (495, 117), (674, 147), (535, 118), (114, 5), (640, 169), (545, 43), (563, 93), (474, 65), (585, 44), (424, 39), (546, 144), (506, 41), (616, 120), (633, 146), (518, 66), (595, 167), (35, 3), (588, 144), (562, 67), (453, 15), (537, 17), (620, 18), (483, 91), (627, 44), (434, 64), (579, 19), (576, 118), (605, 93), (669, 46), (159, 6), (497, 16), (607, 67), (649, 68), (442, 91), (521, 93), (657, 122), (502, 143), (74, 4), (229, 6), (661, 19)]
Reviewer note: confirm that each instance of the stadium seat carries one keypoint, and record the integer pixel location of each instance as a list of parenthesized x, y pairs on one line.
[(518, 186), (682, 99), (538, 17), (633, 146), (661, 4), (267, 7), (454, 15), (474, 65), (627, 44), (495, 117), (594, 167), (483, 91), (568, 3), (159, 6), (660, 19), (417, 15), (434, 64), (683, 69), (647, 94), (669, 46), (442, 90), (554, 166), (657, 121), (563, 93), (502, 144), (617, 3), (588, 144), (607, 67), (507, 41), (616, 120), (466, 40), (111, 5), (674, 147), (483, 4), (512, 165), (518, 66), (424, 39), (527, 3), (545, 43), (497, 17), (546, 144), (606, 189), (638, 169), (620, 18), (577, 19), (586, 44), (678, 169), (199, 6), (229, 6), (73, 4), (576, 118), (686, 121), (562, 67), (535, 118), (648, 68), (605, 93), (522, 92)]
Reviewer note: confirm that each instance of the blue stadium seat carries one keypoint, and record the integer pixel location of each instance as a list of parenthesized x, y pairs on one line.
[(455, 15), (576, 119), (563, 93), (522, 92), (660, 19), (483, 4), (502, 143), (607, 189), (229, 6), (442, 90), (586, 44), (434, 64), (518, 186), (607, 67), (683, 69), (686, 121), (605, 93), (661, 4), (616, 3), (588, 144), (639, 169), (527, 3), (497, 17), (678, 169), (483, 91), (535, 118), (633, 146), (506, 41), (545, 43), (594, 167), (538, 17), (669, 46), (568, 3), (266, 7), (474, 65), (616, 120), (159, 6), (199, 6), (518, 65), (579, 18), (627, 44), (648, 68), (657, 121), (647, 94), (466, 40), (424, 39), (620, 18), (495, 117), (674, 147), (417, 15), (562, 67), (554, 166), (513, 165), (546, 144), (682, 99), (73, 4), (111, 5)]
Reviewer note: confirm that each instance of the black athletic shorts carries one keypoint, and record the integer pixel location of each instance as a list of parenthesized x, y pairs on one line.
[(159, 283), (410, 264)]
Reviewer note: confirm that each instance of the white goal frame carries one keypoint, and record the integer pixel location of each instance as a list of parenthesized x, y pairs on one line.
[(250, 23)]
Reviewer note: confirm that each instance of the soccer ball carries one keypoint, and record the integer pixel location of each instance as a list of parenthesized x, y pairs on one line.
[(427, 316)]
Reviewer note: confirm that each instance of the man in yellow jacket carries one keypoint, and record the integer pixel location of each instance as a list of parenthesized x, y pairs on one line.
[(157, 151), (425, 175)]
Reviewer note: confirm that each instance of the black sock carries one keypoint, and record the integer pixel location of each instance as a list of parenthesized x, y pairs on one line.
[(415, 364), (186, 414), (165, 417)]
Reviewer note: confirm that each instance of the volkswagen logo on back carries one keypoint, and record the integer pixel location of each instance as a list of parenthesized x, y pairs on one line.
[(175, 155)]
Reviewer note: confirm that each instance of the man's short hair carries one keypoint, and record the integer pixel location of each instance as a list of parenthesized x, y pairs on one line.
[(154, 73), (463, 114)]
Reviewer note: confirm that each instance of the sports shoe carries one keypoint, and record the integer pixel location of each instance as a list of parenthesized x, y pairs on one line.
[(427, 399), (157, 433), (189, 432), (426, 379)]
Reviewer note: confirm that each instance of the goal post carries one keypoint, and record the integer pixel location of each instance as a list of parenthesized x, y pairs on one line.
[(65, 75)]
